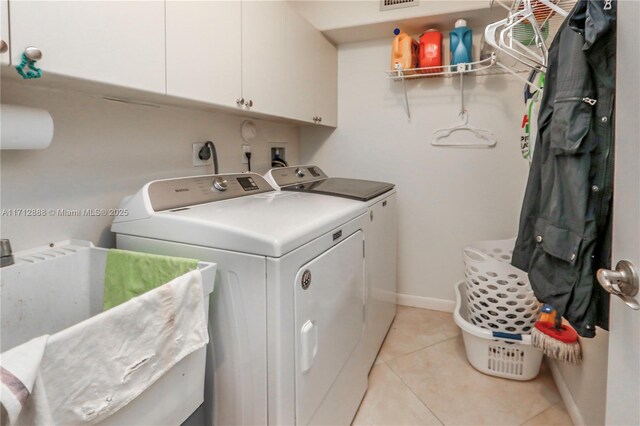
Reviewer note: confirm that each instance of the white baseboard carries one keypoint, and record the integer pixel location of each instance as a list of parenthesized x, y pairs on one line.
[(565, 393), (426, 302)]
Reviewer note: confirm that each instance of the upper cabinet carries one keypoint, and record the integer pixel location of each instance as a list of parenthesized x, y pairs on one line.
[(312, 71), (114, 42), (204, 42), (228, 53), (300, 67), (5, 55), (258, 56), (264, 36), (326, 82)]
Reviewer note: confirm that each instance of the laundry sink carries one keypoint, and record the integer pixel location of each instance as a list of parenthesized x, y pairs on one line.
[(50, 289)]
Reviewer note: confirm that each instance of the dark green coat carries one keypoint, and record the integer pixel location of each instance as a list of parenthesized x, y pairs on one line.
[(565, 224)]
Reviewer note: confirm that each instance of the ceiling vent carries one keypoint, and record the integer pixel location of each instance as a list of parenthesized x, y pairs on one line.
[(397, 4)]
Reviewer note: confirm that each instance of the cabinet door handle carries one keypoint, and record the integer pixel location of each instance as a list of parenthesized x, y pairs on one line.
[(240, 101), (33, 53), (27, 67), (4, 47), (249, 103)]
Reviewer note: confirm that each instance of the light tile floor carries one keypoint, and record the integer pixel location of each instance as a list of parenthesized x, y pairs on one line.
[(422, 377)]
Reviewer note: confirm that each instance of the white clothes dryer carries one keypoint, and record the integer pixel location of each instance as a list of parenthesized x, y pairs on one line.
[(378, 200), (287, 313)]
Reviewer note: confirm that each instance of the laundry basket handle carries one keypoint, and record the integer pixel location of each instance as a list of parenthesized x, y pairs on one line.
[(476, 255), (508, 336)]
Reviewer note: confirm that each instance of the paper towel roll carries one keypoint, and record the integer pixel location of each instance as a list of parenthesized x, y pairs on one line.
[(25, 127)]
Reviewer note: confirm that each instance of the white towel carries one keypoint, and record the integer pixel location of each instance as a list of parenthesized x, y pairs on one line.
[(92, 369)]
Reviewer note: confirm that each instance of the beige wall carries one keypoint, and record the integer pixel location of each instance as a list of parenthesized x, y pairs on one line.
[(332, 14), (104, 150), (447, 197), (586, 383), (349, 21)]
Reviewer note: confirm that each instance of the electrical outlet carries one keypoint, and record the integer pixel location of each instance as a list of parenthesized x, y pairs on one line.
[(245, 148), (195, 159)]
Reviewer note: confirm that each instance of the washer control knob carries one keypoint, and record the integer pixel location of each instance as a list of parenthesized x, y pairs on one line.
[(220, 184), (300, 172)]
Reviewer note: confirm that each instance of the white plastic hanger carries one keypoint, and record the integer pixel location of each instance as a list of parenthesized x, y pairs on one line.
[(499, 35), (484, 137)]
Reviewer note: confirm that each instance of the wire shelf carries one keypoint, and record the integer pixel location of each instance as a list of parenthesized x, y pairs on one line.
[(552, 11), (483, 67)]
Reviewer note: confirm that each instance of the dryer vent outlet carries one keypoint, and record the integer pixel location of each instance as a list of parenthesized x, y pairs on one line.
[(278, 152), (397, 4)]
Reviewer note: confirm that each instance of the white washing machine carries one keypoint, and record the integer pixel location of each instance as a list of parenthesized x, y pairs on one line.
[(378, 199), (287, 313)]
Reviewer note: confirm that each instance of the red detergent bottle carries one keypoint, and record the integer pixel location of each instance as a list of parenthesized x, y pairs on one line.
[(430, 52)]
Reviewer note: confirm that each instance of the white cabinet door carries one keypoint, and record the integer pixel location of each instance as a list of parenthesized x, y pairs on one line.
[(311, 73), (5, 58), (264, 81), (326, 82), (204, 50), (115, 42), (301, 67)]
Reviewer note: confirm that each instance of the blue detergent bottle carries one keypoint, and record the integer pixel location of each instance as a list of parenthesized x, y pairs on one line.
[(460, 40)]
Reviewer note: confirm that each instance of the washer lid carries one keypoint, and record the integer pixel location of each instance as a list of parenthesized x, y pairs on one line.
[(356, 189), (268, 224), (310, 178)]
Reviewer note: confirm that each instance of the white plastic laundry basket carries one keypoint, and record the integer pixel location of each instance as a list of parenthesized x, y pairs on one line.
[(499, 295), (494, 352)]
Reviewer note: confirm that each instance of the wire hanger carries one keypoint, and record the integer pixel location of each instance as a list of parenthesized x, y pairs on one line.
[(484, 137)]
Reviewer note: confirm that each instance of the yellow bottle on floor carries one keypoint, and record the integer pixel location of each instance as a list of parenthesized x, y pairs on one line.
[(404, 51), (547, 314)]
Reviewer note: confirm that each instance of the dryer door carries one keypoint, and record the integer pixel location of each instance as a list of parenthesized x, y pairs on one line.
[(329, 311)]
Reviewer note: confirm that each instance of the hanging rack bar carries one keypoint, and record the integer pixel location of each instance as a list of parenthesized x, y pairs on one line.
[(484, 137), (401, 75), (462, 110), (518, 76), (553, 6), (406, 99)]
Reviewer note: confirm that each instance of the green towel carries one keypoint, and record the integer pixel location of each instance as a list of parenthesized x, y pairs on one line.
[(129, 274)]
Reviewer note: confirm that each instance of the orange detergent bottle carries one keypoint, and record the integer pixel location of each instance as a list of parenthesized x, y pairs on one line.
[(430, 55), (404, 51)]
